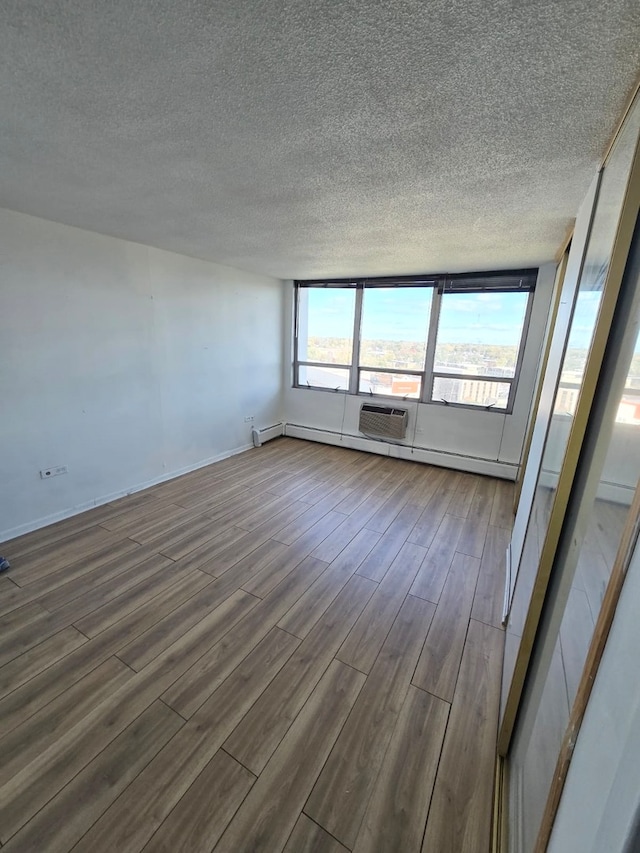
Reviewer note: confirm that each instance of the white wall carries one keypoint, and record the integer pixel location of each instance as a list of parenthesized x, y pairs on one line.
[(488, 442), (602, 793), (127, 364)]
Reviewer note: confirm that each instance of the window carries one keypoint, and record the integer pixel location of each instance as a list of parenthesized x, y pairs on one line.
[(477, 347), (325, 336), (393, 340), (454, 340)]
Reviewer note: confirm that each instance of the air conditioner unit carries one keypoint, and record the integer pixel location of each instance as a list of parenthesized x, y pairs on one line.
[(383, 421)]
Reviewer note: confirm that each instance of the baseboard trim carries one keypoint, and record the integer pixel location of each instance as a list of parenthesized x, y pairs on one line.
[(443, 459), (616, 493), (29, 527), (458, 462)]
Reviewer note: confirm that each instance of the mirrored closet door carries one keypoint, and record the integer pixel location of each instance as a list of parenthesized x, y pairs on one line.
[(598, 288), (585, 509)]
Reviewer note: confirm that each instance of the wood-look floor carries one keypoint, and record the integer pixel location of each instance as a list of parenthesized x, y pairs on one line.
[(296, 649)]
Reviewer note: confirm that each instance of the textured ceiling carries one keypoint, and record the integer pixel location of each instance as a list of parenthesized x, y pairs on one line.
[(304, 138)]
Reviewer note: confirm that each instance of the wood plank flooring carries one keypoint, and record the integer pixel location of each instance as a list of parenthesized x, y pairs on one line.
[(295, 649)]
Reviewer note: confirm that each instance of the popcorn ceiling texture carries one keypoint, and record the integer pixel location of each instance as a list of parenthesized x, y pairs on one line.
[(303, 139)]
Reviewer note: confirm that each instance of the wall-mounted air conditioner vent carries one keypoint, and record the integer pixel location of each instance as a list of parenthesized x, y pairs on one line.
[(383, 421)]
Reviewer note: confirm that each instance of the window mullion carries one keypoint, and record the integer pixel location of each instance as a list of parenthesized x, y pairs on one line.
[(427, 384), (296, 308), (355, 353)]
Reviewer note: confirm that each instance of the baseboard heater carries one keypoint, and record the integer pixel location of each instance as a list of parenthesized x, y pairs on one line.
[(430, 456), (383, 421), (266, 434)]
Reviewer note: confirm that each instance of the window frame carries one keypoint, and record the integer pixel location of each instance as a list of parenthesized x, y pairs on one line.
[(507, 281), (512, 381)]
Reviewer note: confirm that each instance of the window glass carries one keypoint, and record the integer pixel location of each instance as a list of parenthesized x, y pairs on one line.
[(471, 392), (395, 324), (585, 316), (480, 333), (390, 384), (325, 324), (323, 377), (584, 320)]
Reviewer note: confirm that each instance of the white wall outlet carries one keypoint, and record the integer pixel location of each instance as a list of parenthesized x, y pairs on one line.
[(249, 419), (47, 473)]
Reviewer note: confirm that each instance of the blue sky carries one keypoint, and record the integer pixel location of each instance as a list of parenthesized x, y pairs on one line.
[(585, 315), (397, 315), (482, 318), (403, 315)]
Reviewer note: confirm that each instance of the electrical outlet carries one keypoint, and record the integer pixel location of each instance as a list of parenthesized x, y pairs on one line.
[(46, 473), (248, 419)]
